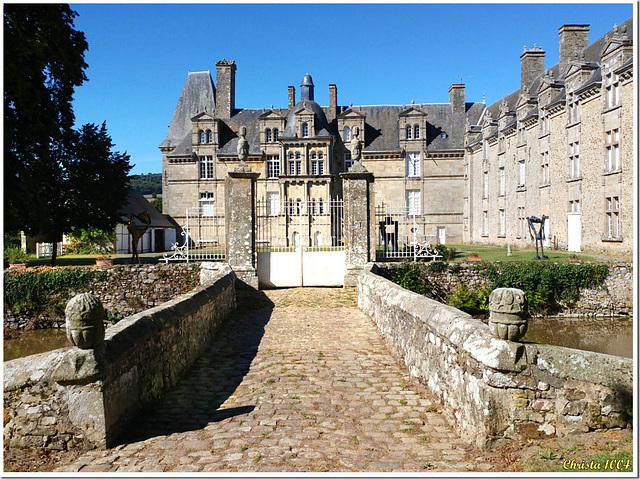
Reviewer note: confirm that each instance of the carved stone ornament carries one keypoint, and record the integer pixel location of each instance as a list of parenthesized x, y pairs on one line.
[(85, 321), (243, 151), (508, 313)]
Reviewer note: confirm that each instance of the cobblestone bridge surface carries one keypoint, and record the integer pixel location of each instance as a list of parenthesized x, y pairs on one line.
[(298, 380)]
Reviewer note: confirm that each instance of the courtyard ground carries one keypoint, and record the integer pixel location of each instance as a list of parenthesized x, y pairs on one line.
[(300, 380)]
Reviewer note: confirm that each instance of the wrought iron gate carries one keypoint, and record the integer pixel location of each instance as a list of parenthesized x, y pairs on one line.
[(299, 243)]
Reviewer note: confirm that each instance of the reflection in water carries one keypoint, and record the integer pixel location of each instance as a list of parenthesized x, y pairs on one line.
[(613, 336), (34, 341)]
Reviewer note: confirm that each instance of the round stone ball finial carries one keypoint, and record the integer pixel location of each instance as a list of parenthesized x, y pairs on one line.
[(508, 313), (85, 321)]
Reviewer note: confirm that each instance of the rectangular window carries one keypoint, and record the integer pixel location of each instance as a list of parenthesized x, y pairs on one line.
[(206, 167), (413, 202), (502, 223), (317, 167), (413, 164), (522, 225), (544, 168), (320, 206), (273, 204), (206, 204), (348, 162), (485, 223), (485, 178), (273, 166), (502, 180), (574, 160), (612, 146), (612, 205), (486, 149), (521, 178), (574, 206)]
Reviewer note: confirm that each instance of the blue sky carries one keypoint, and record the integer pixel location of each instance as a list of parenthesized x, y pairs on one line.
[(139, 55)]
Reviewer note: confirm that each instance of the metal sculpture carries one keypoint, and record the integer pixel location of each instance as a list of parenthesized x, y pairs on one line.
[(138, 224), (537, 236)]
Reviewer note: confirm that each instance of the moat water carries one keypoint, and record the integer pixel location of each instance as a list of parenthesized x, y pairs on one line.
[(613, 336)]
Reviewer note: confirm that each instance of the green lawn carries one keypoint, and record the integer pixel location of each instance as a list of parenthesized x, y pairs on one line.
[(493, 254), (67, 260)]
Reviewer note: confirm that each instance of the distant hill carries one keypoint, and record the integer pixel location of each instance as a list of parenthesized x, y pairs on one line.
[(149, 184)]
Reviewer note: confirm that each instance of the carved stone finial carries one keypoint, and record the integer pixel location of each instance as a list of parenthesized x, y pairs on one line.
[(356, 145), (508, 313), (85, 321)]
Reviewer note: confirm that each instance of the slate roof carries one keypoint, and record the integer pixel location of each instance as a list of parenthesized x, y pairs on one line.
[(198, 95)]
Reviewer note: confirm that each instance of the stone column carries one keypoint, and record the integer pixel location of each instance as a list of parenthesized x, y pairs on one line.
[(240, 191), (357, 186)]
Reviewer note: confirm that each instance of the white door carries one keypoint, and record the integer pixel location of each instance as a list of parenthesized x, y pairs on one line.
[(547, 233), (441, 235), (574, 232)]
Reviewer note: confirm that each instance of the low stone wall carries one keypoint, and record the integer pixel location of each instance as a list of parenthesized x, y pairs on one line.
[(124, 290), (71, 396), (613, 298), (493, 389)]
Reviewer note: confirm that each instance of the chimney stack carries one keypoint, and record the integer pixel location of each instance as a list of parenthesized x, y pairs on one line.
[(573, 38), (531, 65), (333, 102), (225, 88), (456, 98), (292, 97)]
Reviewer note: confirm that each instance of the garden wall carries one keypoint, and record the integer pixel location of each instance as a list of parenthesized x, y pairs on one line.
[(613, 298), (123, 290), (493, 389), (72, 396)]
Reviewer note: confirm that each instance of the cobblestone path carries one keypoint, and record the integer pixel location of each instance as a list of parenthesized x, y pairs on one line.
[(298, 380)]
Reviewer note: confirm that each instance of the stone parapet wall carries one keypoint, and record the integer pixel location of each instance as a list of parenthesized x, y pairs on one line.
[(493, 389), (613, 298), (70, 396), (125, 290)]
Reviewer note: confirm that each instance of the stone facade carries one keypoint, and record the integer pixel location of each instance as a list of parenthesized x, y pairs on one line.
[(71, 397), (124, 290), (493, 389), (561, 146)]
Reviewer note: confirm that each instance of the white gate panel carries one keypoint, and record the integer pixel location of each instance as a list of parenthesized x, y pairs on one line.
[(325, 269), (574, 232), (280, 269)]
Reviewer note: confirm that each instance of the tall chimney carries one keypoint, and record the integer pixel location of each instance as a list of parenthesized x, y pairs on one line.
[(456, 98), (333, 102), (531, 65), (573, 38), (225, 88), (292, 97)]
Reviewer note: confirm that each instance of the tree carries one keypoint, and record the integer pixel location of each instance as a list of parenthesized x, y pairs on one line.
[(56, 177)]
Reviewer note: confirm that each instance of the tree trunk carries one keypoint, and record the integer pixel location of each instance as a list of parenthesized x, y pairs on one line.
[(54, 254)]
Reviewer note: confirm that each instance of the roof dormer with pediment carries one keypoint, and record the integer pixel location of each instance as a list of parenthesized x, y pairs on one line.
[(412, 126), (349, 119)]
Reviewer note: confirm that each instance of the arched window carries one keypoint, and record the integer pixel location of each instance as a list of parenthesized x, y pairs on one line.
[(408, 132), (209, 136), (416, 131), (305, 130), (347, 134), (313, 155), (201, 136), (320, 155), (268, 135), (275, 134), (317, 239), (296, 239), (297, 155)]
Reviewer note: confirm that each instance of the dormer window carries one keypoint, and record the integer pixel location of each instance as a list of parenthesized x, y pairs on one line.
[(347, 134), (268, 135), (305, 130), (409, 130), (416, 132), (209, 136), (201, 136), (275, 134), (313, 155)]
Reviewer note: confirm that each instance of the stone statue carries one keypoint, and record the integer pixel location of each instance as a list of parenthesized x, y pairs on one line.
[(356, 145), (243, 150), (84, 316)]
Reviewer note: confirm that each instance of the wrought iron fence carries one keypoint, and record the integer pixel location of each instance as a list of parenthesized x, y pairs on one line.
[(402, 235), (203, 236)]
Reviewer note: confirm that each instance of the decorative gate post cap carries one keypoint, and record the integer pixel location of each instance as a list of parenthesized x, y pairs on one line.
[(508, 313), (85, 321)]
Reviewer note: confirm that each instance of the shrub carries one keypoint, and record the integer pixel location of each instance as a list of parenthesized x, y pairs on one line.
[(545, 284), (92, 240), (473, 302), (437, 267), (412, 276), (447, 253), (15, 254)]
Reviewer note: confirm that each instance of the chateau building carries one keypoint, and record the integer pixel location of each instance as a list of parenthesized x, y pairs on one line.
[(561, 145)]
